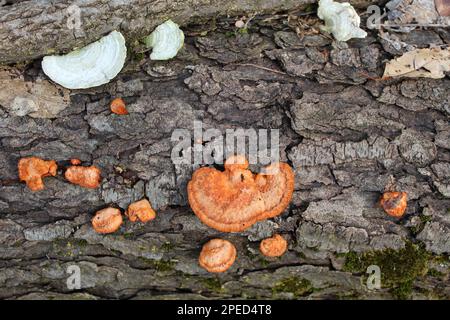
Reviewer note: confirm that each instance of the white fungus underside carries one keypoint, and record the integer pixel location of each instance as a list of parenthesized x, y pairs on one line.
[(340, 19), (166, 40), (91, 66)]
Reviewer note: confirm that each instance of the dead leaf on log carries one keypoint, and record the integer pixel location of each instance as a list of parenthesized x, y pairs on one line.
[(37, 99), (420, 63), (443, 7)]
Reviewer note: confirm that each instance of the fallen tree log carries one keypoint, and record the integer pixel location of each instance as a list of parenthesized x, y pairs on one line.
[(31, 29), (345, 132)]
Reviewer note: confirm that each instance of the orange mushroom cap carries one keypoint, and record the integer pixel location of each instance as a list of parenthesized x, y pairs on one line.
[(118, 106), (235, 199), (275, 246), (75, 162), (236, 162), (394, 203), (33, 169), (217, 255), (107, 220), (87, 177), (140, 210)]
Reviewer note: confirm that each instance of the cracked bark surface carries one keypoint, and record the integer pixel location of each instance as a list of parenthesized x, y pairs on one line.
[(345, 134), (30, 29)]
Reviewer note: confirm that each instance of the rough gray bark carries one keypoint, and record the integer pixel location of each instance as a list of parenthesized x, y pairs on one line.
[(32, 29), (344, 133)]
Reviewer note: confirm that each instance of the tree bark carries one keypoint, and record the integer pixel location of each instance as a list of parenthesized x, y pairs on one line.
[(346, 133), (32, 29)]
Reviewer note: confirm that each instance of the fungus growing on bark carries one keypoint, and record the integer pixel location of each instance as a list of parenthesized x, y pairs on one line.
[(165, 41), (217, 255), (340, 19), (33, 169), (394, 203), (91, 66), (87, 177), (275, 246), (107, 220), (118, 106), (140, 210), (235, 199), (75, 162)]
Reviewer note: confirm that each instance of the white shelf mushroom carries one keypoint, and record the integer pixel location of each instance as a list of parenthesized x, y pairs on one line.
[(340, 19), (165, 40), (90, 66)]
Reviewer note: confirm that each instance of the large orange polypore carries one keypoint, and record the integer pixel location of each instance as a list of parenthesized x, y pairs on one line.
[(33, 169), (234, 199)]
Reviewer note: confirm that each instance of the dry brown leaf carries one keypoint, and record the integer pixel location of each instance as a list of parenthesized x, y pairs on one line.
[(420, 63), (443, 7), (37, 99)]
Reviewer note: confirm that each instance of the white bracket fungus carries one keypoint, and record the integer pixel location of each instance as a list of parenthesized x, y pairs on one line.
[(88, 67), (165, 40), (340, 19)]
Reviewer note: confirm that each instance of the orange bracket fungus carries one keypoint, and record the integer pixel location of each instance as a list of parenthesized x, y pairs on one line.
[(118, 106), (273, 247), (107, 220), (235, 199), (394, 203), (217, 255), (140, 210), (87, 177), (33, 169)]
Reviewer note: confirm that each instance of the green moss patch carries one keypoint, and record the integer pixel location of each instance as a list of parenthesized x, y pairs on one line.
[(158, 265), (399, 268), (69, 248), (435, 273), (299, 287), (212, 284), (167, 247)]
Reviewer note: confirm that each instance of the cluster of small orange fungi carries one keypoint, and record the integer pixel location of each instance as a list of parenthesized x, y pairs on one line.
[(109, 220), (229, 201)]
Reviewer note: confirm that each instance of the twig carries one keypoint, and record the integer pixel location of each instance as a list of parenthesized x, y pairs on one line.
[(365, 75), (422, 25)]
